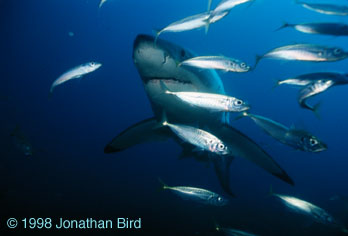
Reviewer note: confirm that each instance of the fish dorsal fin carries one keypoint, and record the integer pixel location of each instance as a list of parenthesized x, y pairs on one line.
[(207, 21), (209, 5)]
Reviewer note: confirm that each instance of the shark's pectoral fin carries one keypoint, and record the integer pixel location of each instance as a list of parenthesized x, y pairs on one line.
[(145, 131), (242, 146), (222, 169)]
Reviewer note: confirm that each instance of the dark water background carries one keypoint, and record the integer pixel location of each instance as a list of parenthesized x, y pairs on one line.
[(70, 176)]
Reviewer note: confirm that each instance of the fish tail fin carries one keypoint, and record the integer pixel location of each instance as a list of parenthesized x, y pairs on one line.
[(216, 225), (257, 60), (164, 121), (209, 5), (207, 21), (316, 109), (283, 26), (157, 33), (165, 88), (276, 83), (241, 115), (163, 185), (207, 25)]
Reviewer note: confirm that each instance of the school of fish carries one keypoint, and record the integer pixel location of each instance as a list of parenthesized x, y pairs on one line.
[(210, 135)]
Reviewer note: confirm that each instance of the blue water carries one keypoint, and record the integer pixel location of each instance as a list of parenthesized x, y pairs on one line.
[(70, 176)]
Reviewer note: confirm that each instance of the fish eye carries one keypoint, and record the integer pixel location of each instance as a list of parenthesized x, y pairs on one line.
[(92, 64), (313, 142), (238, 102), (320, 54), (221, 146), (219, 199), (243, 65), (337, 51)]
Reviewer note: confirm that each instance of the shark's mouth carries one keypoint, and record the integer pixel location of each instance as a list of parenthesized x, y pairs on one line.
[(169, 80), (158, 62)]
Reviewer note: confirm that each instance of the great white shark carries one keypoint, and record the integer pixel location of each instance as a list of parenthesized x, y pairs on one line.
[(158, 62)]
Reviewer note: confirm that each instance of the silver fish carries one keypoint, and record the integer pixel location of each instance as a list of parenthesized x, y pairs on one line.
[(306, 79), (75, 73), (216, 62), (158, 62), (328, 9), (307, 208), (335, 29), (233, 232), (197, 194), (227, 5), (305, 52), (311, 90), (201, 139), (297, 139), (192, 22), (212, 102)]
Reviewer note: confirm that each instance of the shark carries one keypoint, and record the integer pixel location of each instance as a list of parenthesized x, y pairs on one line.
[(157, 64)]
